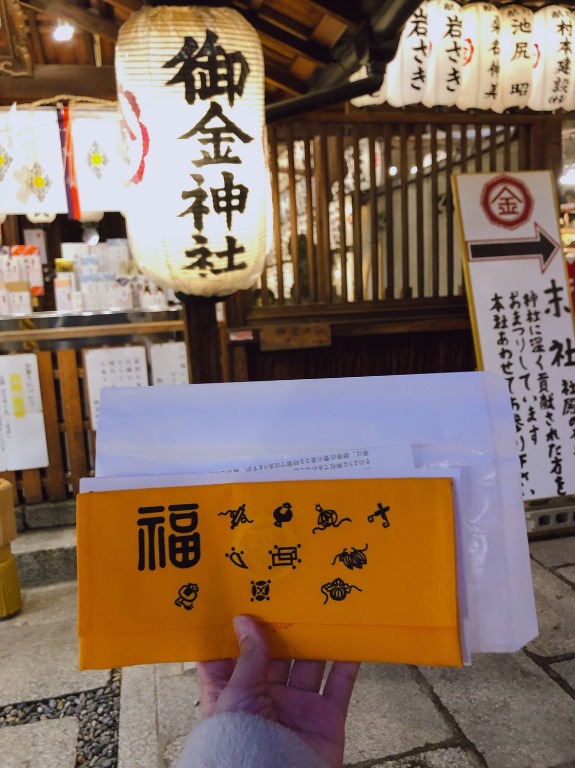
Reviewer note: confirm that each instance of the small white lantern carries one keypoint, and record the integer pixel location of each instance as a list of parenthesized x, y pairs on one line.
[(191, 89), (553, 70), (406, 75), (368, 99), (41, 218), (481, 28), (446, 53), (516, 61)]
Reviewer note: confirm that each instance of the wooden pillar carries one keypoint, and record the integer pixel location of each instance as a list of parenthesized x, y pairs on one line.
[(202, 337)]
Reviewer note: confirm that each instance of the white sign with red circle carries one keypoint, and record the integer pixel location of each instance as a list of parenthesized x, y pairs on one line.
[(522, 315)]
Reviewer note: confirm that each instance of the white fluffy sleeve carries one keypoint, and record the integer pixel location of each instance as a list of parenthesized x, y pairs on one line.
[(237, 739)]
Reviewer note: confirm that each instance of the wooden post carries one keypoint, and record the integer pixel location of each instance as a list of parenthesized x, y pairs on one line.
[(202, 338)]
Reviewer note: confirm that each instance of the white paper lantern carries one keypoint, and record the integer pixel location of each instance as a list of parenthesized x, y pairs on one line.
[(41, 218), (368, 99), (406, 75), (553, 70), (516, 60), (191, 89), (445, 61), (481, 27)]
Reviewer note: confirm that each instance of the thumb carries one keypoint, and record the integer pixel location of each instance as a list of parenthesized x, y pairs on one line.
[(246, 690), (252, 665)]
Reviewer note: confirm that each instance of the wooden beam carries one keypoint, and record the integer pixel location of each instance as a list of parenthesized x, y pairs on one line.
[(348, 13), (306, 48), (78, 17), (52, 80), (126, 5), (287, 83)]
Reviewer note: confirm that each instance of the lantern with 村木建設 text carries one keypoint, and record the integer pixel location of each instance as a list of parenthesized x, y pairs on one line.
[(191, 92), (553, 75)]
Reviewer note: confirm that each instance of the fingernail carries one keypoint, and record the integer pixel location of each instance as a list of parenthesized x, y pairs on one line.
[(242, 628)]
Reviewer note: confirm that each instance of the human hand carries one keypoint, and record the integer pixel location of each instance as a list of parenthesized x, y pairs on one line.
[(281, 690)]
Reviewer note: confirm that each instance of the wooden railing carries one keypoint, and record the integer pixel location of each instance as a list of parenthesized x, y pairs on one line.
[(363, 205), (70, 438)]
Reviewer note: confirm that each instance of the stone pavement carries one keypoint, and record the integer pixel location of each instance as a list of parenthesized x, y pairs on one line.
[(505, 711)]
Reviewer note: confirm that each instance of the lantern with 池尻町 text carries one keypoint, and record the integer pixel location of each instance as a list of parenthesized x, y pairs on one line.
[(191, 92)]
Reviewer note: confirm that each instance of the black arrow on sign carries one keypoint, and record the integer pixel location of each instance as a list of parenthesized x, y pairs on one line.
[(541, 247)]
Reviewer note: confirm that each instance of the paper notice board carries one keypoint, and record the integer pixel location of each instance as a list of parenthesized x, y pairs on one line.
[(113, 367), (22, 429), (522, 315)]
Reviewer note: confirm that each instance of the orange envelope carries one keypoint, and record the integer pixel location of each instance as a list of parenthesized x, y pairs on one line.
[(337, 569)]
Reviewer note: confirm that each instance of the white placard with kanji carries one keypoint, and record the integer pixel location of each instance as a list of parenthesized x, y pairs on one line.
[(22, 429), (169, 363), (523, 316), (113, 367)]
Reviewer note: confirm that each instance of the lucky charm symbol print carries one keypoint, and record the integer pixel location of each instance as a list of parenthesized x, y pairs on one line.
[(351, 560)]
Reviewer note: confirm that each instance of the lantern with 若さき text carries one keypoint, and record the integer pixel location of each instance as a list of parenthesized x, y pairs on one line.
[(445, 60), (191, 91), (406, 74)]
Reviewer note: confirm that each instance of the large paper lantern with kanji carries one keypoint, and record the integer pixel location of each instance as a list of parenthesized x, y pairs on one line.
[(554, 66), (516, 59), (191, 91), (445, 60), (406, 74), (481, 29)]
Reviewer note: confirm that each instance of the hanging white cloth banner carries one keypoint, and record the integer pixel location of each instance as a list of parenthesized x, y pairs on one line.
[(445, 60), (553, 68), (32, 172), (98, 160), (516, 61), (481, 28)]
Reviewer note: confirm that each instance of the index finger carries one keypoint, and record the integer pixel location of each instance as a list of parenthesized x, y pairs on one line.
[(340, 681)]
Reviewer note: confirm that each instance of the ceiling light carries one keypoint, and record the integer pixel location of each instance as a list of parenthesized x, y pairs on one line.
[(63, 32)]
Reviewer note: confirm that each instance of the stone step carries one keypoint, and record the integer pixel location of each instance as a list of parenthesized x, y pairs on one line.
[(45, 556)]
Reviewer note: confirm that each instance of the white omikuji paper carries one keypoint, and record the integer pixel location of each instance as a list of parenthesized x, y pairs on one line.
[(459, 425), (22, 430)]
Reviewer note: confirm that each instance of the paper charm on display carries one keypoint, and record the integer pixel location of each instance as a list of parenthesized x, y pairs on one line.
[(191, 91), (22, 430)]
